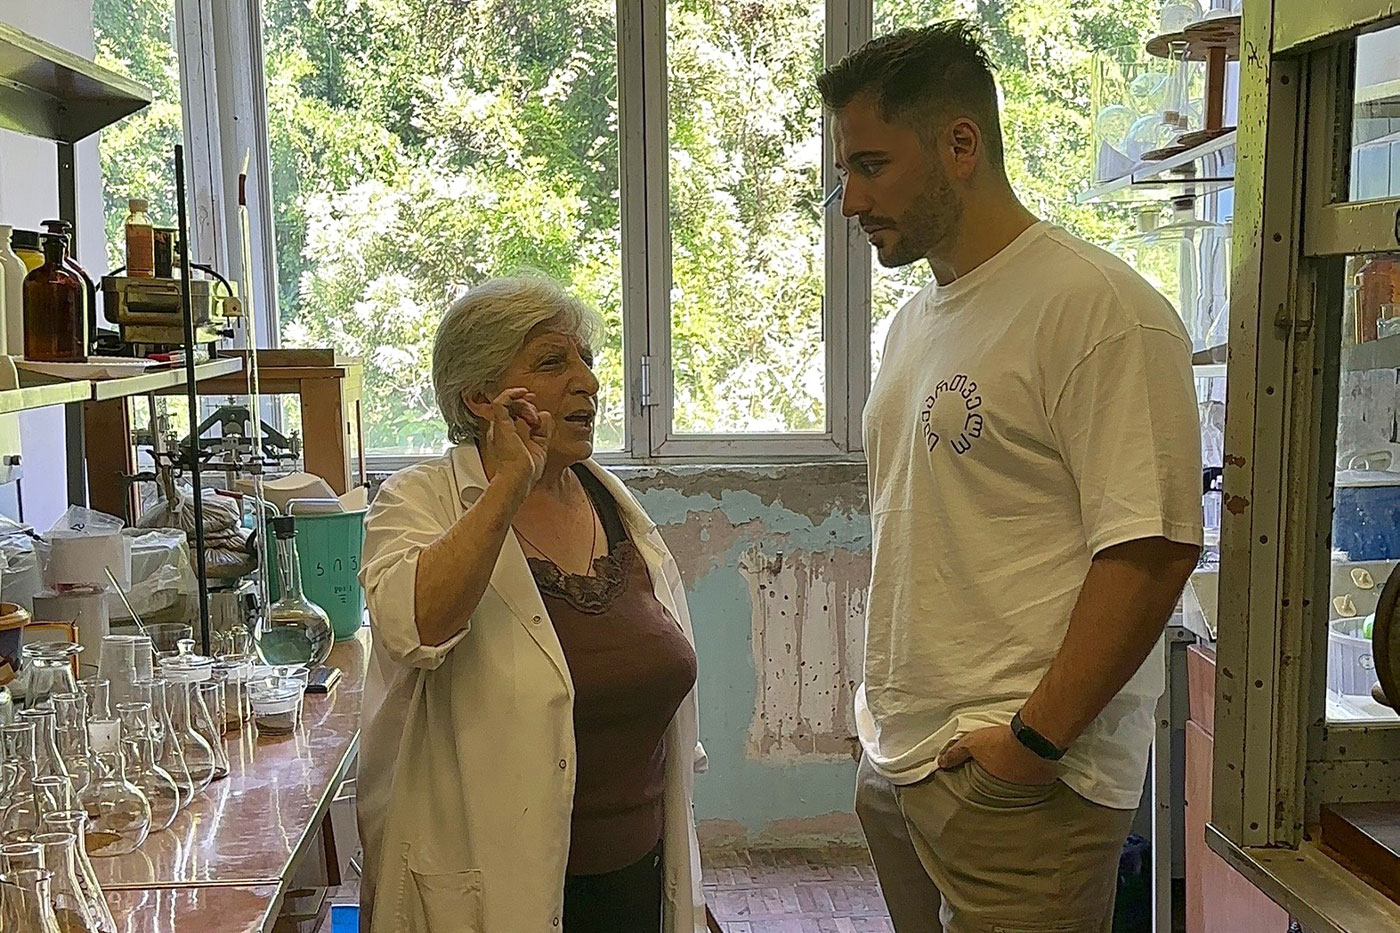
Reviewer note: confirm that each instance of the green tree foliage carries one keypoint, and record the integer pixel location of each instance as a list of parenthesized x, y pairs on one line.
[(419, 146)]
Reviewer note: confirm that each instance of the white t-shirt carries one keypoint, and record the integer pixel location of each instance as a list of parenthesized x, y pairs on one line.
[(1026, 416)]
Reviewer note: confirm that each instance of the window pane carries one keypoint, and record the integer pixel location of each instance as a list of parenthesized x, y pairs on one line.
[(1375, 127), (1044, 57), (1365, 536), (418, 148), (747, 348), (136, 38)]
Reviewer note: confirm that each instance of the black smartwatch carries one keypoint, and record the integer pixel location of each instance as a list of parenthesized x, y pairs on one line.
[(1037, 743)]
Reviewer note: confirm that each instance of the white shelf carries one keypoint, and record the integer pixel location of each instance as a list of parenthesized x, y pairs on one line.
[(1200, 170)]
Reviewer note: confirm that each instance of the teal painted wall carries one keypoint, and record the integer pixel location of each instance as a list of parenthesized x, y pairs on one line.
[(812, 522)]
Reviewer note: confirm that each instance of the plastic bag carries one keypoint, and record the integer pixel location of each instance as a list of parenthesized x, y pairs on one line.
[(80, 521)]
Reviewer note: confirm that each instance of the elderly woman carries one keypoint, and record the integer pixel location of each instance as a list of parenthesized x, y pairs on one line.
[(530, 725)]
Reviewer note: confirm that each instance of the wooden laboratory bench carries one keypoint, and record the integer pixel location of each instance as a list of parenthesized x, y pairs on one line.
[(241, 853)]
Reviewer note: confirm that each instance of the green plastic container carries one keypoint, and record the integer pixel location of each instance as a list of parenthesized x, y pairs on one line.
[(329, 546)]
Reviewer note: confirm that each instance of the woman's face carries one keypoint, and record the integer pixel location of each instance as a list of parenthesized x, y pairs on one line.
[(558, 369)]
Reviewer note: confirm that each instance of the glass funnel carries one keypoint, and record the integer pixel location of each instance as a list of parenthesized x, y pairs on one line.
[(75, 823), (159, 788), (119, 813), (71, 909), (293, 630), (25, 903)]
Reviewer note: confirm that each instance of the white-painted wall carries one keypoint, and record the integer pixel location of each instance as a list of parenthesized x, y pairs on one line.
[(28, 195)]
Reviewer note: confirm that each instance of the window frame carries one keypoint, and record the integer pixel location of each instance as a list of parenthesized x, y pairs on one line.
[(233, 99)]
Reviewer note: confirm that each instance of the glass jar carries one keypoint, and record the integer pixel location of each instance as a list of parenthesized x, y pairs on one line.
[(156, 784), (70, 907), (118, 811), (276, 706), (25, 902), (71, 735), (47, 668), (203, 747), (294, 630), (75, 823)]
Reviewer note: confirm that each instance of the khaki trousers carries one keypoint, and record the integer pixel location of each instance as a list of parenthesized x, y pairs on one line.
[(965, 852)]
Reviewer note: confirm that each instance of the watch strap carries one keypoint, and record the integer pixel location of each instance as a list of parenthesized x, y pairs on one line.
[(1037, 743)]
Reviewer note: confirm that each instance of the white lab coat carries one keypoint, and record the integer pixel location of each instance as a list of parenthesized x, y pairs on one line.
[(466, 772)]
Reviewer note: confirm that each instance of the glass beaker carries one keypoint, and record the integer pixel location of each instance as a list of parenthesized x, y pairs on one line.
[(70, 711), (70, 907), (236, 670), (159, 788), (119, 813), (75, 823), (117, 665), (48, 669), (24, 902)]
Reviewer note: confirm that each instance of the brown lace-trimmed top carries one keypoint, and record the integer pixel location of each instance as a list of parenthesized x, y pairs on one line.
[(631, 667)]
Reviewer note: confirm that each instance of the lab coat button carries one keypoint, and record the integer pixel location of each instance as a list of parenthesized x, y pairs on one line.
[(536, 620), (563, 764), (556, 921)]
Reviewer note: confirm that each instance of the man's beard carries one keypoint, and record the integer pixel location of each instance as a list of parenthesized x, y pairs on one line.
[(931, 221)]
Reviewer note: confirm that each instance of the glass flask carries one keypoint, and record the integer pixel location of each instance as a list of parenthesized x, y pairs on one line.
[(21, 856), (25, 903), (183, 674), (157, 786), (7, 706), (70, 908), (48, 760), (1188, 261), (47, 668), (211, 693), (25, 816), (18, 788), (97, 691), (170, 745), (119, 813), (293, 630), (75, 823), (71, 735)]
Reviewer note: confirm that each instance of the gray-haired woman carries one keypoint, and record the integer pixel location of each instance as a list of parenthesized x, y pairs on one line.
[(530, 729)]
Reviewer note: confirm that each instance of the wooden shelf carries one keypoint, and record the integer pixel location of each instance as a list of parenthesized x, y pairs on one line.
[(28, 398), (51, 93), (160, 380), (1214, 32)]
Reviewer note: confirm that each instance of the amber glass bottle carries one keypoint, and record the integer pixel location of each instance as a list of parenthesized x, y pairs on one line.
[(55, 318)]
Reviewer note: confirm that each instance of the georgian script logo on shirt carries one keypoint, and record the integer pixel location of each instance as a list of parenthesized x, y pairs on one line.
[(959, 395)]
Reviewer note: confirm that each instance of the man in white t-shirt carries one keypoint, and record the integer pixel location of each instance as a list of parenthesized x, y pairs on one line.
[(1035, 496)]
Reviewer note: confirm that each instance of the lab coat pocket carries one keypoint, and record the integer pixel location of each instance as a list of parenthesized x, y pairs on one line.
[(437, 901)]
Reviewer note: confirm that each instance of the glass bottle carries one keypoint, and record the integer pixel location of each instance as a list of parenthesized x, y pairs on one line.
[(294, 630), (64, 229), (71, 734), (75, 823), (15, 271), (155, 783), (28, 248), (119, 812), (140, 240), (55, 318), (70, 907), (46, 669), (25, 903)]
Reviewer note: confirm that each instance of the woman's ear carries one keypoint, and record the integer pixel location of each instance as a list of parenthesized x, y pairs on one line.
[(478, 404)]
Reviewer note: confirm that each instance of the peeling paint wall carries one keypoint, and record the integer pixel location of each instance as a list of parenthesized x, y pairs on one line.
[(776, 561)]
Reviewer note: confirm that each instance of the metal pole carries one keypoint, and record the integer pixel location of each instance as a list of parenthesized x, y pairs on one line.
[(196, 481)]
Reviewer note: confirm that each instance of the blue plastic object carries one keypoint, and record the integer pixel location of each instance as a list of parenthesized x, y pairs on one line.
[(345, 918)]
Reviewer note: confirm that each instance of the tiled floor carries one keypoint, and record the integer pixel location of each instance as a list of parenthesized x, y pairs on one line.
[(828, 890)]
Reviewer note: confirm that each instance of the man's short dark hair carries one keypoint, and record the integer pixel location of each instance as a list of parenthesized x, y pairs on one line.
[(922, 78)]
